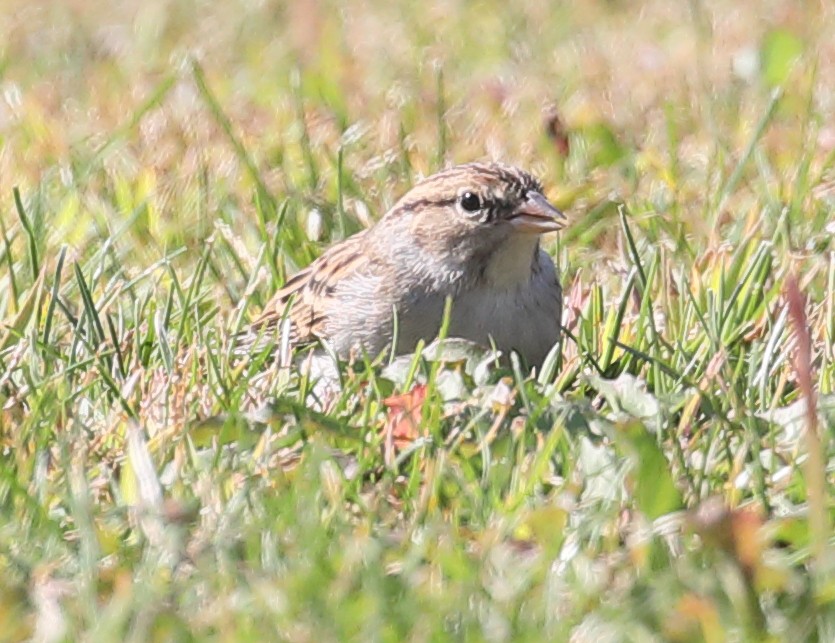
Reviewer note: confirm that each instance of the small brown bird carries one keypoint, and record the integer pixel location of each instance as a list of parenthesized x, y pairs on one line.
[(470, 233)]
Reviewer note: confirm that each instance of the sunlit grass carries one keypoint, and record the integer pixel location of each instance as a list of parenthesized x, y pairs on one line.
[(163, 168)]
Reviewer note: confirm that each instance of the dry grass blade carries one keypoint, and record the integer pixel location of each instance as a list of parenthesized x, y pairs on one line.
[(815, 465)]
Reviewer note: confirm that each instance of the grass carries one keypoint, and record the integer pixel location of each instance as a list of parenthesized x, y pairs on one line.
[(668, 475)]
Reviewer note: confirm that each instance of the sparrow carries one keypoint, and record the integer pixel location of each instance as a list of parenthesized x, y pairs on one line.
[(470, 233)]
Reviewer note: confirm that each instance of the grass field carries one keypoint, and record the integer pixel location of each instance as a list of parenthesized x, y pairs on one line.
[(670, 475)]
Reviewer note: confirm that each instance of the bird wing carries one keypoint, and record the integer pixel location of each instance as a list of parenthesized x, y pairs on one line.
[(309, 296)]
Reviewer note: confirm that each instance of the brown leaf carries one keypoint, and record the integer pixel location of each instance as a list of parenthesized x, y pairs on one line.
[(737, 532), (575, 302), (403, 419), (555, 130)]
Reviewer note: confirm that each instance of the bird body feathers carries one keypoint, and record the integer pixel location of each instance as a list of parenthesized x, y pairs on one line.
[(399, 273)]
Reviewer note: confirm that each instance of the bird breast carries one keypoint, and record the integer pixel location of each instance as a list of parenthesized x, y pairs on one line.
[(523, 316), (516, 310)]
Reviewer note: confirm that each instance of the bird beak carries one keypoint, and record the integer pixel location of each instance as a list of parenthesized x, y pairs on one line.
[(536, 216)]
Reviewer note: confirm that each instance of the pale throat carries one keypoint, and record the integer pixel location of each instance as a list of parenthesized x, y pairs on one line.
[(511, 263)]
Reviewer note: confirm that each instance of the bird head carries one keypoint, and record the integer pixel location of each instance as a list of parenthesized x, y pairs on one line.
[(478, 210)]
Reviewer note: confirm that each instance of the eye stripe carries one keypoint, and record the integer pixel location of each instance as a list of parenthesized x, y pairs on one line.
[(421, 203), (480, 178)]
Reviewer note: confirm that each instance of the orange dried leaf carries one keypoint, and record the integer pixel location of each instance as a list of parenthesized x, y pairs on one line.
[(404, 416)]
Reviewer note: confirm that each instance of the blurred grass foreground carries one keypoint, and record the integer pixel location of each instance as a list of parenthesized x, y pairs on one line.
[(668, 476)]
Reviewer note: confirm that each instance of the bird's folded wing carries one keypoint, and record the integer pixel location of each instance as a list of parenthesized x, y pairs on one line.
[(308, 297)]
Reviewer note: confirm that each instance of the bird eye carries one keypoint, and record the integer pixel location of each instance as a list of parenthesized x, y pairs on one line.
[(470, 202)]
